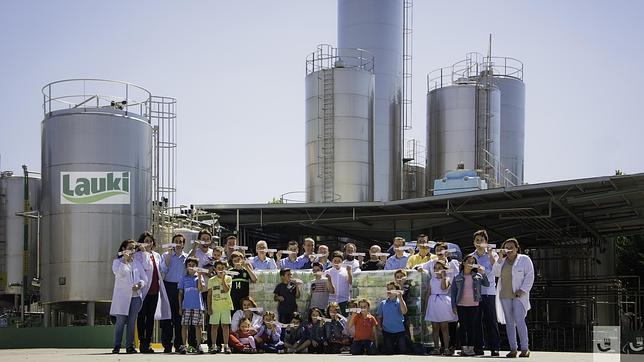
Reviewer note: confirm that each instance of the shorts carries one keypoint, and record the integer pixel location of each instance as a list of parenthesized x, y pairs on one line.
[(220, 316), (192, 317)]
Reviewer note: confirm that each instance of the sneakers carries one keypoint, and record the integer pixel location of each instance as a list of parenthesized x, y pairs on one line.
[(226, 350), (146, 349), (479, 352), (213, 349), (435, 352), (182, 350), (467, 351), (192, 349), (525, 354), (167, 350), (512, 354), (199, 349), (130, 350), (494, 353), (448, 352), (116, 350)]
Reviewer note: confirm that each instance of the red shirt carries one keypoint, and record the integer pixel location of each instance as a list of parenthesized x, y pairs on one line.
[(364, 327), (154, 285)]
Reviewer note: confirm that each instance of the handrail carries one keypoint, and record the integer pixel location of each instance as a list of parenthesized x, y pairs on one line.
[(78, 92), (473, 67), (329, 57)]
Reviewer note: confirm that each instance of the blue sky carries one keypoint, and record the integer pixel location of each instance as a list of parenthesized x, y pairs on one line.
[(237, 69)]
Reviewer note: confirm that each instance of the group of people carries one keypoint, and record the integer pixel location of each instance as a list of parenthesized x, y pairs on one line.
[(208, 288)]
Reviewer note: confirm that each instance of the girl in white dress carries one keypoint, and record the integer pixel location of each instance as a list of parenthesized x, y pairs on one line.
[(439, 307)]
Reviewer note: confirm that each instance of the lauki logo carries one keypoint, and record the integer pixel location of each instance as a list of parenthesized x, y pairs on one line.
[(605, 346), (95, 187)]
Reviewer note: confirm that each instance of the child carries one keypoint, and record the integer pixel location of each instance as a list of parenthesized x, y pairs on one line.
[(423, 255), (317, 335), (190, 287), (296, 338), (286, 294), (391, 316), (341, 278), (242, 340), (253, 316), (334, 330), (366, 326), (217, 252), (219, 305), (466, 294), (439, 308), (242, 280), (268, 335), (320, 288)]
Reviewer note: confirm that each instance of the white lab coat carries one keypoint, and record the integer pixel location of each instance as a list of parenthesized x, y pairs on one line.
[(125, 276), (163, 305), (522, 278)]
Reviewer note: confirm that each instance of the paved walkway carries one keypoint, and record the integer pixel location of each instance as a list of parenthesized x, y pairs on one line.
[(93, 355)]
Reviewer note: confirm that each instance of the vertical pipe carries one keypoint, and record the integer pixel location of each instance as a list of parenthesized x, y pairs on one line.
[(25, 248), (91, 313), (46, 315)]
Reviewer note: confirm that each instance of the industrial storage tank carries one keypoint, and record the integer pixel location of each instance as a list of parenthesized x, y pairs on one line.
[(12, 192), (377, 26), (463, 126), (97, 144), (339, 125), (507, 75)]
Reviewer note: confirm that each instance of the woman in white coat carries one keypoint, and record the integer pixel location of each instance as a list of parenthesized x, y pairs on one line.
[(129, 279), (516, 276), (155, 299)]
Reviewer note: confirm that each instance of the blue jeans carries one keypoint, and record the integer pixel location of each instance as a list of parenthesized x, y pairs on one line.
[(515, 315), (130, 320), (359, 347)]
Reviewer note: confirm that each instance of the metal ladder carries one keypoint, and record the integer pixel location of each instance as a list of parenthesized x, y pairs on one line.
[(328, 133)]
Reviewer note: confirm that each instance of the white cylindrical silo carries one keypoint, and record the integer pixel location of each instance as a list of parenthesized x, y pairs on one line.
[(463, 125), (97, 184), (339, 126), (508, 77), (12, 228), (377, 26)]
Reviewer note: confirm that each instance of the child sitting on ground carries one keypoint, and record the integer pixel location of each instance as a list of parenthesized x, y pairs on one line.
[(242, 340), (296, 337), (268, 335)]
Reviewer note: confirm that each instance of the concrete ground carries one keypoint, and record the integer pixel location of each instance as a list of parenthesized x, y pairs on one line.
[(93, 355)]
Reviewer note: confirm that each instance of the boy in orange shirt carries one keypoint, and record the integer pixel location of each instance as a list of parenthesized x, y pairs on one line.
[(365, 329)]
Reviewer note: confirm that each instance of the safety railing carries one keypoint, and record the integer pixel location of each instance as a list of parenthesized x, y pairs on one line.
[(328, 57), (96, 93)]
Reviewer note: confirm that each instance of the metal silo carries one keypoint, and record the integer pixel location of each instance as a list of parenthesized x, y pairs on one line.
[(463, 125), (96, 171), (508, 77), (12, 191), (339, 125), (377, 26)]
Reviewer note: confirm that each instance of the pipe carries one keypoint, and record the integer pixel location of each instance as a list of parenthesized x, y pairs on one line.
[(25, 248)]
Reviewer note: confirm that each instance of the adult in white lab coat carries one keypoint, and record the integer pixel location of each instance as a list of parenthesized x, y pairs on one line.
[(127, 298), (516, 276), (155, 299)]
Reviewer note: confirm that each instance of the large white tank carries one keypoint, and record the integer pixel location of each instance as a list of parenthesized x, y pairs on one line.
[(463, 125), (12, 191), (339, 126), (512, 124), (96, 171), (377, 26)]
